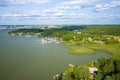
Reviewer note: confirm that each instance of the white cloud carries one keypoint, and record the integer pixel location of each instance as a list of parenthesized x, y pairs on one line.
[(26, 1), (99, 7), (54, 10), (15, 15), (22, 14), (46, 11), (112, 5), (42, 15), (73, 15), (81, 2), (76, 16), (58, 14), (110, 16), (7, 15), (64, 7), (76, 7), (85, 16), (60, 9), (115, 4)]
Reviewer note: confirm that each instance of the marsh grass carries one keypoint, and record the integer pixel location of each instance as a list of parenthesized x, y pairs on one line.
[(113, 49), (81, 50)]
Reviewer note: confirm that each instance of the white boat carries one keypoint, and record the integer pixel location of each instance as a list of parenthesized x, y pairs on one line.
[(43, 41)]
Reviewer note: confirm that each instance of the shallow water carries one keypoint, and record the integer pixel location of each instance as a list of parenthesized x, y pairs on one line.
[(25, 58)]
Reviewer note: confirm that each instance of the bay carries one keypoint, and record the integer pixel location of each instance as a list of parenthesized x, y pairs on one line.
[(25, 58)]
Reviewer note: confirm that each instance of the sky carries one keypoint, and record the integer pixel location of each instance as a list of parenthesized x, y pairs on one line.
[(58, 12)]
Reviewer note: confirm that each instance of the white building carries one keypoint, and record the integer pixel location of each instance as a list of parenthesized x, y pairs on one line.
[(92, 70)]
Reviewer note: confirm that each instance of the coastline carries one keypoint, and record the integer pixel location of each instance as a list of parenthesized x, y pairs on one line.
[(86, 46)]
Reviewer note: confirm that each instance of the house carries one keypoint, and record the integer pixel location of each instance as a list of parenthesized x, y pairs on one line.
[(93, 69), (93, 72), (90, 39)]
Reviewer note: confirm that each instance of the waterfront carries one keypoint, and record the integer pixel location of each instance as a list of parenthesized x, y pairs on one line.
[(25, 58)]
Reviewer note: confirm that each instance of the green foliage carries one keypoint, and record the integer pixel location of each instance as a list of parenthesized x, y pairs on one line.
[(79, 34), (27, 31), (103, 30), (81, 50), (75, 73), (99, 76), (58, 32), (106, 71), (67, 37), (110, 48)]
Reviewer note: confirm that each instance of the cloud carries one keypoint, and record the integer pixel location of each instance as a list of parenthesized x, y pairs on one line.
[(116, 4), (14, 15), (110, 16), (81, 2), (69, 16), (55, 10), (7, 15), (58, 15), (76, 7), (100, 7), (112, 5), (36, 14), (85, 16), (46, 11), (22, 14), (61, 9), (15, 2), (60, 12), (79, 16), (64, 7)]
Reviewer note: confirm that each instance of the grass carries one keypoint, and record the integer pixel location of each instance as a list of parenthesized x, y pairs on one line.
[(81, 50), (71, 43), (113, 49)]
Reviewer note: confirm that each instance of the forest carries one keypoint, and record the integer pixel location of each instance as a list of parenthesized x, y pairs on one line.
[(108, 69), (26, 31)]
